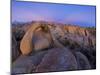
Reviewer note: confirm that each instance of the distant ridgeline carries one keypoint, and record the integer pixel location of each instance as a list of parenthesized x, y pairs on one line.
[(49, 22)]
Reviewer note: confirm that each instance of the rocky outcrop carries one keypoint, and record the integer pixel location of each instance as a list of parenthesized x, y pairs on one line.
[(50, 47), (79, 35), (76, 30), (35, 38)]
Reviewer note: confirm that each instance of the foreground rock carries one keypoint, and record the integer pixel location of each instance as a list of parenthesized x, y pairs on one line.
[(27, 64), (82, 61), (57, 59)]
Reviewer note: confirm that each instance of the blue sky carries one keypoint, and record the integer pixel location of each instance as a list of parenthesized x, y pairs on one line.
[(62, 13)]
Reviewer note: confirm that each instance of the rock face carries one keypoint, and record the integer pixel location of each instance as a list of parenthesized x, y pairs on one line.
[(81, 36), (57, 59), (15, 50), (27, 64), (76, 30), (41, 40), (82, 61), (26, 43), (50, 47), (17, 35)]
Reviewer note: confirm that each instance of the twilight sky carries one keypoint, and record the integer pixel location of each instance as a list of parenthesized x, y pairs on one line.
[(61, 13)]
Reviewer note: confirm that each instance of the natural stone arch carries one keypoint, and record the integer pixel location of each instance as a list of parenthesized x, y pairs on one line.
[(28, 44)]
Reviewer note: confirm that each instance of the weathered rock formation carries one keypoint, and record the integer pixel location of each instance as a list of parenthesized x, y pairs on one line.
[(49, 47), (35, 38)]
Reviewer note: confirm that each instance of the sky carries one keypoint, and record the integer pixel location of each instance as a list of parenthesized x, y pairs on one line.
[(83, 15)]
